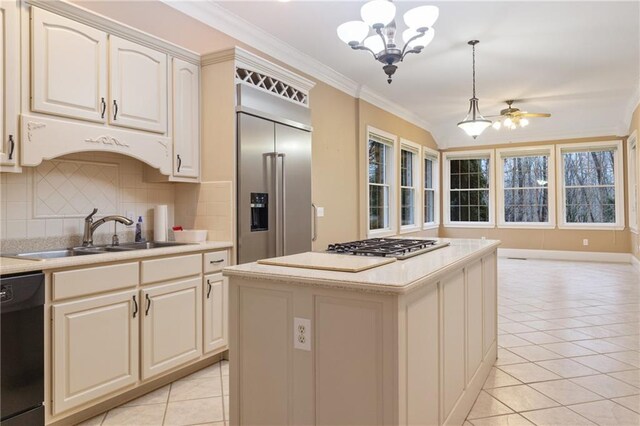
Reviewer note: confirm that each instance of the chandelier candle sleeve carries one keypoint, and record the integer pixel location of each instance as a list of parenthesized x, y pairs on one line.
[(377, 33)]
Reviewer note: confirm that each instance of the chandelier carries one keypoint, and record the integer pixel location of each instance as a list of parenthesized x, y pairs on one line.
[(474, 123), (378, 16)]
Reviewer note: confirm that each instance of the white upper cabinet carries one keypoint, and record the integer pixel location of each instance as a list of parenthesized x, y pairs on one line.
[(69, 67), (186, 119), (138, 86), (9, 83)]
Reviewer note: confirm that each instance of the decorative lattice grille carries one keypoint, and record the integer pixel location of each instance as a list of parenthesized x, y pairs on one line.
[(272, 85)]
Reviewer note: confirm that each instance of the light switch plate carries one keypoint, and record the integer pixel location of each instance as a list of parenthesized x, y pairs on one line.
[(320, 211), (302, 334)]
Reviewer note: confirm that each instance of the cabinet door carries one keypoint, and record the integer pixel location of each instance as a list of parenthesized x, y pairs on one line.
[(216, 296), (186, 119), (69, 67), (171, 325), (138, 86), (9, 81), (95, 348)]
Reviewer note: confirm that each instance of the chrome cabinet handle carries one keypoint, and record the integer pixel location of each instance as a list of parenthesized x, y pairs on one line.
[(315, 222), (135, 307), (104, 107), (209, 288), (115, 109), (283, 203), (179, 162), (12, 147), (146, 312), (216, 261)]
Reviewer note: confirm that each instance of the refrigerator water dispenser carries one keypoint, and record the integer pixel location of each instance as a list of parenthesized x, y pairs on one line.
[(259, 211)]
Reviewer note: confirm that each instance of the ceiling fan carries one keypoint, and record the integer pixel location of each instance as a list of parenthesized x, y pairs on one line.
[(512, 117)]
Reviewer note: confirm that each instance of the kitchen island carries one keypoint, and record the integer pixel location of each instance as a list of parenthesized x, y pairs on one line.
[(406, 342)]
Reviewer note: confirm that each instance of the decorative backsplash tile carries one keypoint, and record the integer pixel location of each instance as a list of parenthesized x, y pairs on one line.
[(66, 188)]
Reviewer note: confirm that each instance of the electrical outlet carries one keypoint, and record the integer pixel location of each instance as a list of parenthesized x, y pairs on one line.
[(320, 211), (302, 334), (585, 242)]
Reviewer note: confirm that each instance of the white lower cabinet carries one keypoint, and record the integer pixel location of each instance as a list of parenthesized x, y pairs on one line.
[(216, 294), (95, 348), (171, 325)]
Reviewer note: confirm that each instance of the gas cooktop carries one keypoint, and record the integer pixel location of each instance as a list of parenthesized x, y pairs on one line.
[(400, 248)]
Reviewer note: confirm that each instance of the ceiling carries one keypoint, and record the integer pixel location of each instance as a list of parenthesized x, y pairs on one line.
[(580, 61)]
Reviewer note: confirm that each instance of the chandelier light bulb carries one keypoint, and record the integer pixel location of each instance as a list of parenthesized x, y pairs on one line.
[(378, 13), (374, 43), (353, 32), (420, 42), (497, 124), (421, 17)]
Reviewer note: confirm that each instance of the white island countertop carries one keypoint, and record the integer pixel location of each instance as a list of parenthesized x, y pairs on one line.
[(12, 265), (396, 277)]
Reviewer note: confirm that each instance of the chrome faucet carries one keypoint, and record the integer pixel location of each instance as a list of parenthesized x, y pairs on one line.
[(90, 226)]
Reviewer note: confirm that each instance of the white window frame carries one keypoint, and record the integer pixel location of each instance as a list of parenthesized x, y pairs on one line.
[(501, 154), (434, 156), (633, 170), (462, 155), (392, 140), (618, 182), (416, 149)]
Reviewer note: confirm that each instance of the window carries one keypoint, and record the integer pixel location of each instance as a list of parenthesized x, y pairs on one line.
[(431, 195), (380, 182), (591, 185), (469, 189), (409, 185), (526, 189), (632, 167)]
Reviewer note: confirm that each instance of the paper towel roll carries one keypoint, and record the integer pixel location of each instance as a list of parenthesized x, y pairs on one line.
[(160, 223)]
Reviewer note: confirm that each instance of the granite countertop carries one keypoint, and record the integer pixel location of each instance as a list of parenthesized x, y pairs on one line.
[(10, 265), (398, 277)]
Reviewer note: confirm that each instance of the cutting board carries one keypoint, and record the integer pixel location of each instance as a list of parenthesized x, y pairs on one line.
[(328, 261)]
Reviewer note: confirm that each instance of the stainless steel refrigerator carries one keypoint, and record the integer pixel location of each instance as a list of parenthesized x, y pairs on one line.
[(274, 176)]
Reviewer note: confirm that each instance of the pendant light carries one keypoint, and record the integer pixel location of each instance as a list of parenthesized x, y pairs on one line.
[(474, 123)]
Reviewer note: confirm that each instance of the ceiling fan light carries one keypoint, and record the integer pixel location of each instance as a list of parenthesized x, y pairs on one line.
[(375, 43), (474, 128), (496, 125), (507, 122), (421, 17), (420, 42), (353, 32), (524, 122), (378, 13)]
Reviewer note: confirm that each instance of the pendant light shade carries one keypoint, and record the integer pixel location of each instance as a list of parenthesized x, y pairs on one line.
[(378, 13), (374, 43), (474, 123)]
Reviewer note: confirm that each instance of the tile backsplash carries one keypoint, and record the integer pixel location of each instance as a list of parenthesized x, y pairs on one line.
[(52, 199)]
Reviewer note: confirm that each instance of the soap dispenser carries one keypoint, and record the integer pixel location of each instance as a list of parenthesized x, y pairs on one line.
[(139, 230)]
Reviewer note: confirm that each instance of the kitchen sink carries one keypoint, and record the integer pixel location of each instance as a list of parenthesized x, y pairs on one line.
[(83, 251)]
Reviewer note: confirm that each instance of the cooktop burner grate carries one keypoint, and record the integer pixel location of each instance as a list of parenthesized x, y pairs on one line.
[(386, 247)]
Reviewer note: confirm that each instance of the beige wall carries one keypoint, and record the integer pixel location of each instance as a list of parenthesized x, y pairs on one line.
[(635, 126), (550, 239)]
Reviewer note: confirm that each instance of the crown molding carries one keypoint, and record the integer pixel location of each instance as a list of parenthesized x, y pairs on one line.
[(634, 102), (221, 19), (108, 25)]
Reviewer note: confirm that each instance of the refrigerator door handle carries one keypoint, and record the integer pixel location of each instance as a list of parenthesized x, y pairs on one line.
[(274, 182), (314, 235), (283, 203)]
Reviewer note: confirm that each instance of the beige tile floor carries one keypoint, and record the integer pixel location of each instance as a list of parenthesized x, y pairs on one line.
[(569, 354), (568, 346), (201, 398)]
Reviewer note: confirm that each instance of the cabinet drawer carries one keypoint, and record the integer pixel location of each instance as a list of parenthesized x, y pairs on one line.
[(170, 268), (82, 282), (215, 261)]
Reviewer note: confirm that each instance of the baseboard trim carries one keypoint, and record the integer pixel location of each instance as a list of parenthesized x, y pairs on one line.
[(583, 256), (635, 262)]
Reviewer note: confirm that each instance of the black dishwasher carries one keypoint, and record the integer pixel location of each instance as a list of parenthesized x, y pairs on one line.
[(22, 349)]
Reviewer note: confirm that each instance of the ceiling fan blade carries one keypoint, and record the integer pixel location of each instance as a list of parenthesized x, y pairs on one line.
[(492, 116), (535, 114)]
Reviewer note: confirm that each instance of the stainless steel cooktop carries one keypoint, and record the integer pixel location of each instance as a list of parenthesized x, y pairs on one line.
[(400, 248)]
